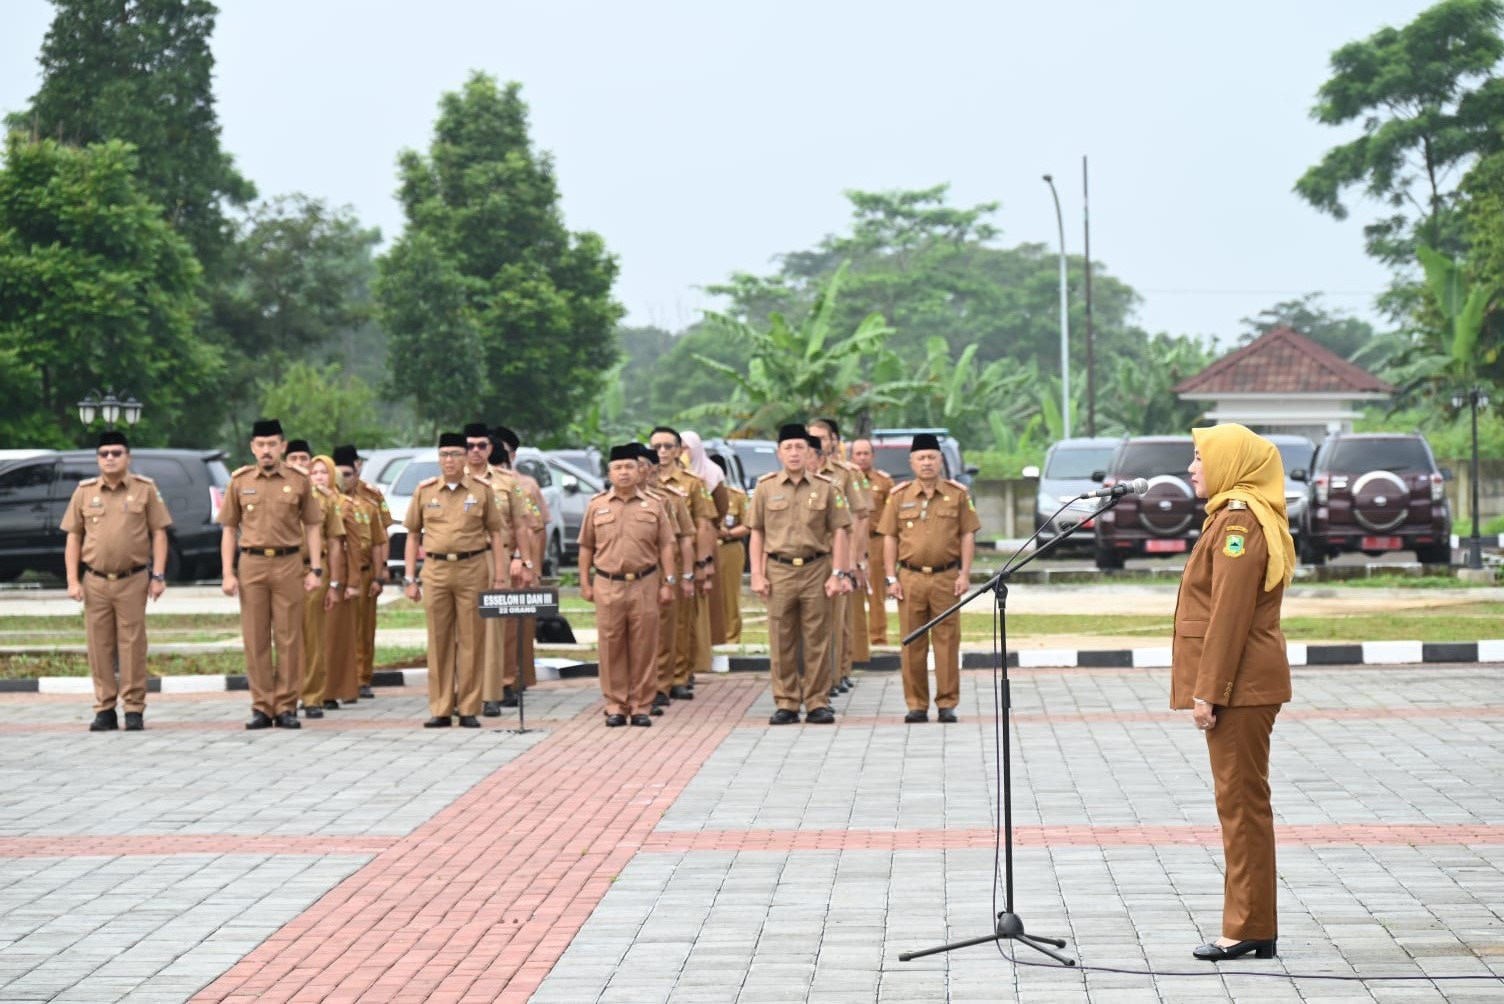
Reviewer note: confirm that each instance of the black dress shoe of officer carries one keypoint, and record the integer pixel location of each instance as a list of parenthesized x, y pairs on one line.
[(657, 710), (104, 721), (661, 700), (288, 720), (1262, 948), (259, 720), (615, 721), (331, 705), (491, 709), (842, 686), (847, 682), (134, 722), (783, 716), (821, 716), (916, 717), (642, 721), (441, 722), (366, 691), (508, 697), (313, 712), (680, 693), (469, 722), (948, 715)]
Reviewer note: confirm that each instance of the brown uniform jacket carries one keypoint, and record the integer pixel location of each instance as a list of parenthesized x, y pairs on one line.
[(364, 530), (882, 484), (116, 523), (1228, 648), (454, 521), (333, 522), (270, 508), (369, 491), (929, 525), (516, 515), (799, 516), (701, 505), (626, 532), (853, 484)]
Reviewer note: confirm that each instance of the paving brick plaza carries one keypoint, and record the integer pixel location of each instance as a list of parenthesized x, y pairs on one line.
[(714, 859)]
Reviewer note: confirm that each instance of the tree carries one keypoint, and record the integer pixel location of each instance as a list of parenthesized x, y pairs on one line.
[(527, 300), (324, 405), (1136, 398), (96, 291), (1429, 102), (1341, 334), (142, 71)]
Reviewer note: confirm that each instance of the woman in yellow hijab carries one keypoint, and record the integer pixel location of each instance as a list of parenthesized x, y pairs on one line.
[(1230, 665)]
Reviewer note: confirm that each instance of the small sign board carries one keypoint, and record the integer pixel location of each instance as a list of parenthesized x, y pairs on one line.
[(519, 602)]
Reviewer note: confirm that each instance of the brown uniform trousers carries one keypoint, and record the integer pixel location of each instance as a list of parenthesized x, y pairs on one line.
[(842, 619), (626, 621), (856, 624), (314, 666), (1237, 661), (271, 605), (730, 563), (924, 596), (721, 498), (669, 617), (451, 598), (500, 655), (799, 609), (115, 620), (692, 647), (341, 657), (877, 593), (366, 631)]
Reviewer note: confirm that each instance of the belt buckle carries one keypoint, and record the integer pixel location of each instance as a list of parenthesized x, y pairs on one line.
[(630, 576), (269, 552), (928, 569), (451, 556), (797, 562), (111, 576)]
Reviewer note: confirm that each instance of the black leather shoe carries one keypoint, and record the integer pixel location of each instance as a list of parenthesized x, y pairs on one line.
[(288, 720), (469, 722), (656, 711), (615, 721), (313, 712), (842, 686), (660, 700), (508, 697), (134, 722), (104, 721), (1213, 952), (948, 716), (366, 691), (916, 717), (331, 705), (441, 722), (491, 709), (783, 716), (259, 720), (821, 716), (642, 721), (847, 682), (679, 692)]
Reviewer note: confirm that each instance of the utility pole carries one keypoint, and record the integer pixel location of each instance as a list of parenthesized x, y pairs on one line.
[(1091, 376)]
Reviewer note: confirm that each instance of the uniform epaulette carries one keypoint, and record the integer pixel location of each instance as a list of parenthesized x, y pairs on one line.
[(899, 486), (241, 470), (675, 489), (955, 484), (428, 481), (88, 481), (142, 478), (824, 477), (1236, 504), (370, 488), (601, 495), (770, 474)]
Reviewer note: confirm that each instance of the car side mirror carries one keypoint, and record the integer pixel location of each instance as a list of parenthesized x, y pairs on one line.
[(1446, 474), (1030, 472), (1299, 474), (972, 470), (1099, 476), (570, 484)]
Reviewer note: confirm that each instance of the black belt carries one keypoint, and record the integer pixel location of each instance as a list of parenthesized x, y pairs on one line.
[(270, 552), (455, 555), (784, 559), (928, 569), (625, 576), (112, 576)]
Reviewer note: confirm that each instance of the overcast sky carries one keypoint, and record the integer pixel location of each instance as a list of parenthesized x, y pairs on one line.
[(703, 138)]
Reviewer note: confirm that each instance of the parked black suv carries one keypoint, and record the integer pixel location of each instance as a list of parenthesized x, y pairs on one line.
[(1164, 520), (34, 493), (1376, 492)]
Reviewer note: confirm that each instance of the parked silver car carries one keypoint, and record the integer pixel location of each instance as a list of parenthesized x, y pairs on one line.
[(1066, 473)]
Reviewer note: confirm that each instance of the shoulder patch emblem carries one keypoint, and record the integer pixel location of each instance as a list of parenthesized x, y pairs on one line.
[(428, 481), (1233, 545)]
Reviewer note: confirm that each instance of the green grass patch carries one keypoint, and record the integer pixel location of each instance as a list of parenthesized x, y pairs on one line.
[(29, 666)]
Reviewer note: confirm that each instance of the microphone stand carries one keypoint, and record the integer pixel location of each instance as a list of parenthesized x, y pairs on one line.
[(1008, 926)]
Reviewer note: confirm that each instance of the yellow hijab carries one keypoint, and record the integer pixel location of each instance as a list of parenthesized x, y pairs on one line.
[(1237, 463)]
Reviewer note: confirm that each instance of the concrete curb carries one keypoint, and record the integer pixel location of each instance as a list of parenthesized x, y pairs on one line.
[(1368, 653)]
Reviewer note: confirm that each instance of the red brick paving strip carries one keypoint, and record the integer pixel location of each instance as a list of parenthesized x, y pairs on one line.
[(481, 901)]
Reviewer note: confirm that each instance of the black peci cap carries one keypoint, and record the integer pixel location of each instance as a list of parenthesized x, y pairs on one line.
[(344, 456), (646, 452), (793, 430), (476, 430), (626, 451), (266, 427), (506, 436), (112, 438), (924, 441), (451, 439), (299, 446)]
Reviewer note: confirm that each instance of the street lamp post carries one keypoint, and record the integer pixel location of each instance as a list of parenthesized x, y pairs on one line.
[(109, 408), (1474, 399), (1065, 322)]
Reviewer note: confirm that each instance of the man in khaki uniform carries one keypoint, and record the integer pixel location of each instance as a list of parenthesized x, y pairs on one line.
[(117, 529), (692, 644), (528, 550), (626, 543), (800, 527), (875, 598), (272, 506), (731, 556), (676, 503), (456, 520), (929, 535), (299, 454), (380, 570), (317, 604), (344, 650), (828, 435)]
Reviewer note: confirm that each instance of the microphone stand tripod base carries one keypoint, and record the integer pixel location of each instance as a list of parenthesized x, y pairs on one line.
[(1010, 927)]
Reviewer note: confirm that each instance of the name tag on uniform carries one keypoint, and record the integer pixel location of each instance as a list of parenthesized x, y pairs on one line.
[(469, 502), (247, 491), (96, 503), (433, 504)]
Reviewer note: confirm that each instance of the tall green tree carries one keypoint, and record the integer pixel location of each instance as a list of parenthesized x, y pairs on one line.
[(536, 298), (96, 291), (142, 71), (323, 404), (1429, 101), (1330, 329)]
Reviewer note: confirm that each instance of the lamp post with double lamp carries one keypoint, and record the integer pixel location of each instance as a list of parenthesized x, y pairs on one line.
[(1065, 322), (108, 408), (1474, 399)]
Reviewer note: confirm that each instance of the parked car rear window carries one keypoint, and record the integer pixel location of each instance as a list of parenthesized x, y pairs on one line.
[(161, 469), (758, 460), (1362, 455), (1295, 455), (1077, 464), (1149, 460), (407, 481)]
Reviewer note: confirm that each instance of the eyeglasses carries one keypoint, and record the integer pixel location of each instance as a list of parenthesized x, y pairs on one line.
[(660, 447), (451, 454), (484, 444), (112, 453)]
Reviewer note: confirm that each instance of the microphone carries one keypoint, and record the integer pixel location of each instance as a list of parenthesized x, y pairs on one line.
[(1135, 487)]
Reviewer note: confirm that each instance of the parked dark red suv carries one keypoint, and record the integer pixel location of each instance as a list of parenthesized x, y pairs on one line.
[(1376, 492), (1164, 520)]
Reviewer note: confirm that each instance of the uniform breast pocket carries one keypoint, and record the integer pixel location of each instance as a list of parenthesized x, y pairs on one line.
[(949, 512), (777, 505), (819, 503), (136, 508), (1187, 628)]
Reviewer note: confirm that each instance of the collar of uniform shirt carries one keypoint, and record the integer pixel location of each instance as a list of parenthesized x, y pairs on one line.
[(627, 496)]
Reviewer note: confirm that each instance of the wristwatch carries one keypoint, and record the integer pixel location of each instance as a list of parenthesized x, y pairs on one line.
[(408, 580), (890, 580), (671, 579), (158, 578), (317, 571), (528, 565), (335, 585)]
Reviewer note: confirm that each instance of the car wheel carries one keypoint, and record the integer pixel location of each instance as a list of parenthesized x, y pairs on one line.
[(1108, 559), (1309, 554), (10, 573), (554, 559), (1434, 554)]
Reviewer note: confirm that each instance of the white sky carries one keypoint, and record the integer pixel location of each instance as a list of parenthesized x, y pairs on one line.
[(701, 138)]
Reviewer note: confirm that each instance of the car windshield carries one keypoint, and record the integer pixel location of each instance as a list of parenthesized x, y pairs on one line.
[(1148, 460), (1295, 456), (1076, 463), (1359, 456), (892, 459), (758, 460), (415, 472)]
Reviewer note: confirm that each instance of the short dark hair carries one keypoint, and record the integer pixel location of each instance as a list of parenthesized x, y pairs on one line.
[(830, 424), (672, 432)]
